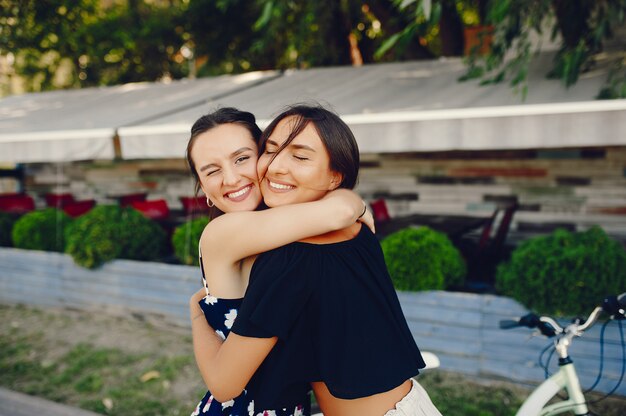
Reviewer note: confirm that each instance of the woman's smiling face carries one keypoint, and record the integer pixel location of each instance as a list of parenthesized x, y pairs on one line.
[(298, 173), (225, 158)]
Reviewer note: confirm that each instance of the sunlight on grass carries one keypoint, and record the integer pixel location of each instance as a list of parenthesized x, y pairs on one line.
[(164, 380), (87, 376)]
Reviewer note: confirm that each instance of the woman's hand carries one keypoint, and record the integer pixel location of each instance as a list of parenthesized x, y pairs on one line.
[(357, 208), (194, 308), (368, 218), (197, 297)]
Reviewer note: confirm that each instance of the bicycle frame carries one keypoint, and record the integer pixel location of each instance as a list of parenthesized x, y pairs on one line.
[(565, 378)]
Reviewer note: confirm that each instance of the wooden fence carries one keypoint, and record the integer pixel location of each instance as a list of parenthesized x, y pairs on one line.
[(461, 328)]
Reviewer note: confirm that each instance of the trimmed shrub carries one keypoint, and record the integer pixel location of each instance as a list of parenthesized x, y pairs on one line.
[(6, 225), (185, 240), (564, 273), (109, 232), (423, 259), (41, 230)]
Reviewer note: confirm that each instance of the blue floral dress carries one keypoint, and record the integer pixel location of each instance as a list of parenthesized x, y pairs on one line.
[(221, 314)]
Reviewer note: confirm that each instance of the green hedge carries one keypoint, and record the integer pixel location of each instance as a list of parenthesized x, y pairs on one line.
[(423, 259), (564, 273), (6, 225), (185, 240), (41, 230), (109, 232)]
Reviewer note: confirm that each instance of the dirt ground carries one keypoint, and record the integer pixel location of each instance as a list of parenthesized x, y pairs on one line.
[(63, 329), (53, 333)]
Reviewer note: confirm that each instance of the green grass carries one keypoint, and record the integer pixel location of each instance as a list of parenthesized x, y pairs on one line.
[(457, 396), (109, 380), (91, 378)]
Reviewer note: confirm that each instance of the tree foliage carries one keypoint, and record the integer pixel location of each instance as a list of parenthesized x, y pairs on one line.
[(186, 238), (269, 34), (564, 273), (78, 43), (583, 29), (41, 230), (110, 232), (423, 259)]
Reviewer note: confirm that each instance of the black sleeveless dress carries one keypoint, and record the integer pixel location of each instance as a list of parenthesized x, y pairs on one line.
[(337, 318), (221, 314)]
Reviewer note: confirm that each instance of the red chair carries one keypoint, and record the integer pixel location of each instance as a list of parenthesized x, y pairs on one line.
[(59, 200), (17, 203), (155, 210), (78, 208), (380, 211), (129, 199), (10, 195), (193, 204)]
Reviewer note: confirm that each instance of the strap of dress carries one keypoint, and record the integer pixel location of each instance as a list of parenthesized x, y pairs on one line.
[(204, 283)]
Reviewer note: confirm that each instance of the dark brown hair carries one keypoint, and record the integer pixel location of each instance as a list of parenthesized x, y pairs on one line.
[(332, 130), (226, 115)]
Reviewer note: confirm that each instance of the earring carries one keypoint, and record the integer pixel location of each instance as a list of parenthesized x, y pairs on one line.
[(209, 203)]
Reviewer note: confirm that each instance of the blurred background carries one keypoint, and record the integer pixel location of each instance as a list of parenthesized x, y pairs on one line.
[(492, 138)]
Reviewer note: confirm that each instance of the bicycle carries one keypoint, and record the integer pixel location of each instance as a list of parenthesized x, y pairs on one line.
[(566, 378)]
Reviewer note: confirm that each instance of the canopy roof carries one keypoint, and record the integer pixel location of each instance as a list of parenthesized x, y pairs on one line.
[(81, 124), (398, 107)]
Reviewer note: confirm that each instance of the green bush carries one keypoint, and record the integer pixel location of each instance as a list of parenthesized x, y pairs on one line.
[(109, 232), (422, 259), (6, 225), (41, 230), (564, 273), (185, 240)]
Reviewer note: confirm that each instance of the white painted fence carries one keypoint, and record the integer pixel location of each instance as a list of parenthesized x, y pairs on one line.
[(461, 328)]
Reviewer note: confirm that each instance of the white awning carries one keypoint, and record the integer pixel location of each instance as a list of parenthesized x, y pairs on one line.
[(81, 124), (396, 107), (418, 106)]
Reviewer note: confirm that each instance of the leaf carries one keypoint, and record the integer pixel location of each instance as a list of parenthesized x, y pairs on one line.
[(403, 4), (150, 375), (426, 7), (387, 44), (472, 73), (498, 11), (108, 403), (266, 14)]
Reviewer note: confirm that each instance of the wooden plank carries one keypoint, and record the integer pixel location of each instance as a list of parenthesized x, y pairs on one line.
[(101, 285), (452, 347), (88, 291), (445, 316), (458, 364), (421, 330), (443, 299)]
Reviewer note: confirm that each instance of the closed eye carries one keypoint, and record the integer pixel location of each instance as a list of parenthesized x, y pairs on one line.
[(241, 159), (300, 157)]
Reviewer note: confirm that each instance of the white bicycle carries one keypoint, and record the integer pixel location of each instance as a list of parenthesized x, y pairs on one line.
[(566, 378)]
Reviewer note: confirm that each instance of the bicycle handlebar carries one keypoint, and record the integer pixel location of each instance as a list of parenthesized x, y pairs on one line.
[(509, 323), (531, 320), (613, 305)]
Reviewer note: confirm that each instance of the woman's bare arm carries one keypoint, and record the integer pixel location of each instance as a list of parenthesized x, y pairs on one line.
[(226, 366), (237, 235)]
